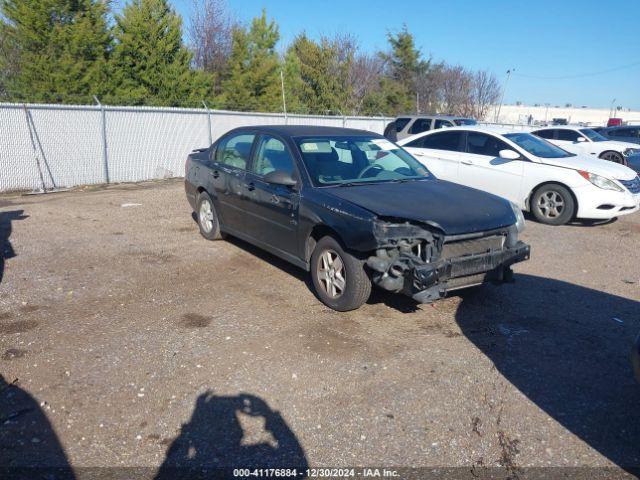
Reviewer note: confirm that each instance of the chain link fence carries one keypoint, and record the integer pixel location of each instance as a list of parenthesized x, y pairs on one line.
[(44, 147)]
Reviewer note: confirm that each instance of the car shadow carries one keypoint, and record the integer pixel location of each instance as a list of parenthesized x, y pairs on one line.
[(566, 348), (575, 222), (271, 259), (29, 446), (6, 249), (231, 432)]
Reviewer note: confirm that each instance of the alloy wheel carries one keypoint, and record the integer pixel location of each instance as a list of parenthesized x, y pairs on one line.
[(551, 204), (331, 273), (206, 216)]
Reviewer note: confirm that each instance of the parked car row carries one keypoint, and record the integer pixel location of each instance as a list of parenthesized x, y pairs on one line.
[(555, 185), (440, 211)]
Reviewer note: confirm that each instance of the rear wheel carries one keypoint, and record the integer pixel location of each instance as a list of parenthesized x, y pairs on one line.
[(613, 157), (339, 278), (207, 217), (553, 204)]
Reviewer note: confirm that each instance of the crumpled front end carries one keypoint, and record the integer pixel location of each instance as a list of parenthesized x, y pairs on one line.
[(423, 263)]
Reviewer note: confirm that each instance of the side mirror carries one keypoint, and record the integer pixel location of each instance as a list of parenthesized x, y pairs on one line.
[(508, 154), (581, 139), (280, 177)]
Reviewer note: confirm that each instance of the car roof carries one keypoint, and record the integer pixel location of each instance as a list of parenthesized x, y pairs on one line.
[(307, 130), (494, 129), (561, 127), (435, 115)]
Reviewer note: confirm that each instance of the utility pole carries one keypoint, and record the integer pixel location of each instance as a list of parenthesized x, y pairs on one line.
[(417, 103), (503, 92), (284, 101), (611, 109)]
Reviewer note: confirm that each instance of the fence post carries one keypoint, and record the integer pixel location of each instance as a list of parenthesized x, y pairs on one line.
[(105, 154), (208, 122)]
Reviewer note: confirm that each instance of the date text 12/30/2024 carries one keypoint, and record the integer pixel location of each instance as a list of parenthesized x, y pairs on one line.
[(315, 473)]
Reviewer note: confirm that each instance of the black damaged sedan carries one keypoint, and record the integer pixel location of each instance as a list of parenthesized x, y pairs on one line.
[(353, 209)]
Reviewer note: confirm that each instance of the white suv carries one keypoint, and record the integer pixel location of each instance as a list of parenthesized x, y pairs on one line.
[(555, 185), (585, 140)]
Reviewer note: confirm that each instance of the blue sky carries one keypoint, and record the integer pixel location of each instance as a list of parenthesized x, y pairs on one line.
[(541, 38)]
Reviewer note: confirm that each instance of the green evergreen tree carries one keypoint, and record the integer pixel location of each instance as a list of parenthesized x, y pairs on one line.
[(150, 64), (54, 50), (252, 80), (317, 76), (404, 66)]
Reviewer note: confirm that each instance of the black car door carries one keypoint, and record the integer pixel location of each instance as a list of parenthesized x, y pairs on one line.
[(272, 209), (227, 178)]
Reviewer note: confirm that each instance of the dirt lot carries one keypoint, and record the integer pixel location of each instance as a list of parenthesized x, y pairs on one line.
[(127, 339)]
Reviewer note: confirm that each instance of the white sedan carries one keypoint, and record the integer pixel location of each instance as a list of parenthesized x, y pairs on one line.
[(585, 140), (555, 185)]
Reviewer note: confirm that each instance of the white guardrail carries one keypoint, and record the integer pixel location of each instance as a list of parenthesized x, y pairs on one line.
[(44, 147)]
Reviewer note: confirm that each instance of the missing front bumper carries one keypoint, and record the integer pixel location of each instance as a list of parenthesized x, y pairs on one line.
[(430, 282)]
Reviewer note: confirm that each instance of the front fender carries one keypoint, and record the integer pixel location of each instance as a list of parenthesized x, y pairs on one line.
[(353, 224)]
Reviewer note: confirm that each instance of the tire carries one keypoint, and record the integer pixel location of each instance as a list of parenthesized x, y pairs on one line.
[(553, 204), (613, 157), (207, 217), (328, 273)]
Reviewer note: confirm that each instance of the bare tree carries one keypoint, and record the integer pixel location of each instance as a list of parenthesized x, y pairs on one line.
[(485, 93), (210, 32), (364, 76), (456, 84), (360, 72)]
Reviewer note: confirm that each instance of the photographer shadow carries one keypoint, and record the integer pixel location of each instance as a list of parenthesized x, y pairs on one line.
[(29, 445), (231, 432)]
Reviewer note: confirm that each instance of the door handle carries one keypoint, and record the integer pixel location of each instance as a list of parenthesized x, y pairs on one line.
[(250, 186), (215, 174), (466, 162)]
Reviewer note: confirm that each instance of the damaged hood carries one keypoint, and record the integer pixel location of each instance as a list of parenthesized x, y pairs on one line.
[(453, 208)]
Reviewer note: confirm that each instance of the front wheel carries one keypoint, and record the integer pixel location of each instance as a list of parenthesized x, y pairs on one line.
[(339, 278), (613, 157), (553, 204)]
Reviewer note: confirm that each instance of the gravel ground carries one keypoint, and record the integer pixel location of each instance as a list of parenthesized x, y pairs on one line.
[(126, 339)]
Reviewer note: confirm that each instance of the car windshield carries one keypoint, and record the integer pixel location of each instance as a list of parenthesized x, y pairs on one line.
[(537, 146), (348, 160), (593, 135), (465, 121)]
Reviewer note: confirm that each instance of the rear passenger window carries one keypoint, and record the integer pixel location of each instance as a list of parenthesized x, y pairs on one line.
[(420, 125), (235, 150), (400, 123), (483, 144), (568, 135), (548, 134), (439, 141)]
